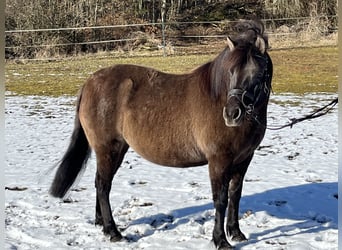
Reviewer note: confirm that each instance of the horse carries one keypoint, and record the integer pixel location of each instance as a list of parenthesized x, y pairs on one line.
[(214, 115)]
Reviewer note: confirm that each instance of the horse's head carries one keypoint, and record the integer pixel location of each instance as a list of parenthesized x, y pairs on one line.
[(247, 72)]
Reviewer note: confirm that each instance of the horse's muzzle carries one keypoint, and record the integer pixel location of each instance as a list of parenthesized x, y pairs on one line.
[(232, 116)]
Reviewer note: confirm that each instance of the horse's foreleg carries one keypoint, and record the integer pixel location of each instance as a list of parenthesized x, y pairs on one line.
[(219, 184), (234, 193)]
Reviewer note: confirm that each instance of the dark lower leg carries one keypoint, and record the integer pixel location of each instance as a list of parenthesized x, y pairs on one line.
[(108, 163), (103, 210), (234, 192), (233, 228), (219, 185), (219, 235), (98, 214)]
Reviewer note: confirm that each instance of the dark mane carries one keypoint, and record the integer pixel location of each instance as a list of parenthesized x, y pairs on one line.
[(245, 41)]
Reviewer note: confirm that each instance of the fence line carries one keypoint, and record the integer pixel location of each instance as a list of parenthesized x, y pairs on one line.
[(84, 28), (157, 24), (133, 39), (268, 23), (270, 34), (70, 44)]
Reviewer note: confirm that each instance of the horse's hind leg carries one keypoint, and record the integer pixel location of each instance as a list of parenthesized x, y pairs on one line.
[(108, 162), (234, 194)]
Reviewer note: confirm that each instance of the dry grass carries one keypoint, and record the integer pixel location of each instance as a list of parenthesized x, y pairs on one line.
[(305, 70), (302, 40), (295, 70)]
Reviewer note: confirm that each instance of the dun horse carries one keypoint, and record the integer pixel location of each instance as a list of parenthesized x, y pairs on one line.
[(215, 115)]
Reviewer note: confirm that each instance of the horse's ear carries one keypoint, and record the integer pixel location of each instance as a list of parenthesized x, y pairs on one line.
[(260, 44), (230, 43)]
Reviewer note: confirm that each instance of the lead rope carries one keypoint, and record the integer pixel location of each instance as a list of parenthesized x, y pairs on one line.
[(317, 113)]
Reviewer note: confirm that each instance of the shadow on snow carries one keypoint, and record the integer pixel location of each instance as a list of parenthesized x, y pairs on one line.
[(310, 206)]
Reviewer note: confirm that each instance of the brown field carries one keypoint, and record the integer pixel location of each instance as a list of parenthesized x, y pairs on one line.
[(295, 70)]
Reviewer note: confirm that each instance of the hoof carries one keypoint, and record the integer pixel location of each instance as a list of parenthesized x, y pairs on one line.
[(113, 233), (239, 238), (236, 235), (98, 222), (223, 245), (227, 247), (116, 238)]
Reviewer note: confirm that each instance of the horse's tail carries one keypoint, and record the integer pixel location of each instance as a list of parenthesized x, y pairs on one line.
[(74, 159)]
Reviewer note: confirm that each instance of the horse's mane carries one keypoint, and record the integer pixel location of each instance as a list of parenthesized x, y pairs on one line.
[(245, 38)]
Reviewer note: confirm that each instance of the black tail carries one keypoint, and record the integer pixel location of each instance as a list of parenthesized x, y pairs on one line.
[(73, 161)]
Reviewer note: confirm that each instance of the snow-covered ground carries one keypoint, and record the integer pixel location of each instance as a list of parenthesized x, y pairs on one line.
[(289, 196)]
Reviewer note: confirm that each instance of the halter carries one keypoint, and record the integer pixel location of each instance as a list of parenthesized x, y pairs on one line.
[(250, 98)]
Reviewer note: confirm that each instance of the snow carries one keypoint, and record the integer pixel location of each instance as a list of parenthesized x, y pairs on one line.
[(289, 197)]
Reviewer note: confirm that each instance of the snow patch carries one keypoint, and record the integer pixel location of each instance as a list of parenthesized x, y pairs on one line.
[(289, 197)]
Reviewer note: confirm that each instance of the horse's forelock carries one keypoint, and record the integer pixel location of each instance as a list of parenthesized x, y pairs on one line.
[(250, 32)]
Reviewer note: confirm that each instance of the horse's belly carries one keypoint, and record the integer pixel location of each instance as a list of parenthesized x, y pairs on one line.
[(159, 130), (176, 157), (165, 151)]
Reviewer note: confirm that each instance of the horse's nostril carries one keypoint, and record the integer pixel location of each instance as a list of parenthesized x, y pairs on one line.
[(237, 114)]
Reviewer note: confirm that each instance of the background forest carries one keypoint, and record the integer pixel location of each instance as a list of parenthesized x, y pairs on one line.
[(179, 16)]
